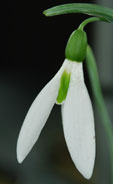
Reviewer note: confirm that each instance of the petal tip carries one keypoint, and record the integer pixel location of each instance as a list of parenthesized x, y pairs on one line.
[(87, 175), (20, 154), (86, 169), (20, 158)]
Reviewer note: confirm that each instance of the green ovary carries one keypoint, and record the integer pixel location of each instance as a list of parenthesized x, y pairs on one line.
[(64, 85)]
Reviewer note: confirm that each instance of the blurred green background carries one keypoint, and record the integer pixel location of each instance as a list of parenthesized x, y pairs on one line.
[(32, 52)]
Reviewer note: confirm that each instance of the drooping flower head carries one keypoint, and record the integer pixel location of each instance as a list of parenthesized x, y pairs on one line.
[(68, 89)]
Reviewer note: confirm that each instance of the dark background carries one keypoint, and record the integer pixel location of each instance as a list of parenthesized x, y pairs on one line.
[(32, 51)]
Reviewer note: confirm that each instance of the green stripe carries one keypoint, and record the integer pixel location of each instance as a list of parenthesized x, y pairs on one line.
[(64, 85)]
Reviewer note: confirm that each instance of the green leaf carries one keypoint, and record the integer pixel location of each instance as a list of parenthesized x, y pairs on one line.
[(96, 88), (85, 8), (97, 92)]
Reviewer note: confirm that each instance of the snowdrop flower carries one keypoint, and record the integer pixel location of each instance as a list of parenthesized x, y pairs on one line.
[(68, 89)]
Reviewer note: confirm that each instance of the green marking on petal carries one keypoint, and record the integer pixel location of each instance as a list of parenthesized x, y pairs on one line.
[(64, 85)]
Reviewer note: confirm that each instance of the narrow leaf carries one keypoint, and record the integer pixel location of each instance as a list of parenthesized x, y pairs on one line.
[(85, 8), (97, 92)]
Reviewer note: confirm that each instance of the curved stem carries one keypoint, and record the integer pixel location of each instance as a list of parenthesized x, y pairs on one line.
[(89, 20), (93, 75)]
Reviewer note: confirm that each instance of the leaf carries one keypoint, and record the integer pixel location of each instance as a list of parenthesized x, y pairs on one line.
[(96, 88), (85, 8), (97, 92)]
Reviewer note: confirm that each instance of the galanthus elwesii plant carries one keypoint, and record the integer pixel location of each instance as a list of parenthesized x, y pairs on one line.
[(68, 89)]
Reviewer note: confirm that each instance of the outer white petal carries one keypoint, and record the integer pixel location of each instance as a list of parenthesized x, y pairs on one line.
[(37, 116), (78, 123)]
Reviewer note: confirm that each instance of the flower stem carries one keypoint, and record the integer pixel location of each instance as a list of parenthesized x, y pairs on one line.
[(97, 92), (89, 20)]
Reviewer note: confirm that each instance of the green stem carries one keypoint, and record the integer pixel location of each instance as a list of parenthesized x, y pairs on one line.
[(93, 74), (89, 20)]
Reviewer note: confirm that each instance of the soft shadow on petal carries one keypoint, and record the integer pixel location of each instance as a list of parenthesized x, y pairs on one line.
[(78, 123), (37, 116)]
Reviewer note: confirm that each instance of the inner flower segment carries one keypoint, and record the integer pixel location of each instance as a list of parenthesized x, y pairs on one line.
[(64, 85)]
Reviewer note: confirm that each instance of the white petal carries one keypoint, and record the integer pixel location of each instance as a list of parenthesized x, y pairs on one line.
[(37, 116), (78, 123)]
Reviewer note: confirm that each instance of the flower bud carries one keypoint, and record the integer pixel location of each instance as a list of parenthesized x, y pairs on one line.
[(76, 46)]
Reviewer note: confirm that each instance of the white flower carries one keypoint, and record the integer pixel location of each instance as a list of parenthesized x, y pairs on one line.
[(77, 116)]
